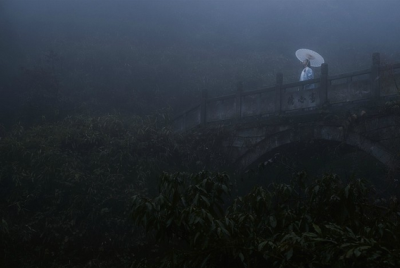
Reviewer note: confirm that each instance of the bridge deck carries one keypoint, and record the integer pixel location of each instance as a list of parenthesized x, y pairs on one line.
[(377, 84)]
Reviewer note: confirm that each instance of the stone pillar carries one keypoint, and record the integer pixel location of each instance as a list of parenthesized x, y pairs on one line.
[(238, 101), (375, 76), (323, 85), (203, 112), (278, 93)]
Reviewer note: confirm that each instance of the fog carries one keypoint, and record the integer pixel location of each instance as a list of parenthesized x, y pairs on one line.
[(88, 89), (163, 53)]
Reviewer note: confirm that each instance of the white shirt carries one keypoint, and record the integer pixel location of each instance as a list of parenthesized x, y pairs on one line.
[(307, 74)]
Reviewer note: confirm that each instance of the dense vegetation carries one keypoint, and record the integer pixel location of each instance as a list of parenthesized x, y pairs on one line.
[(315, 223), (66, 187)]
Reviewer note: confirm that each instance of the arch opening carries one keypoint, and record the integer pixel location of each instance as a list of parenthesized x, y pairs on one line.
[(316, 157)]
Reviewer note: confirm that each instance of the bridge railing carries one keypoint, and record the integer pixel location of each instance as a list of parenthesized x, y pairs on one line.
[(355, 86), (370, 84), (390, 80)]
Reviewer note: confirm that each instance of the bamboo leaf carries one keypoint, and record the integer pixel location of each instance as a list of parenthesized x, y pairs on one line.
[(205, 200), (272, 221), (261, 245), (289, 254), (241, 256), (317, 229), (205, 261), (195, 237)]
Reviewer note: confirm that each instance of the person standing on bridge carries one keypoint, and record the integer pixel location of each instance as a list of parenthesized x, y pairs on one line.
[(307, 74), (308, 58)]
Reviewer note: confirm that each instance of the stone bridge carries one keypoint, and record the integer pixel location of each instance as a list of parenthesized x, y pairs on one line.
[(367, 127), (360, 109)]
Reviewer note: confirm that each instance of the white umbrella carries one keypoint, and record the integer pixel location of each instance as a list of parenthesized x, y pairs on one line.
[(307, 54)]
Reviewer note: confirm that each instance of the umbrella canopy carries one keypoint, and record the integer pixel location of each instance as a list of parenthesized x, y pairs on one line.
[(307, 54)]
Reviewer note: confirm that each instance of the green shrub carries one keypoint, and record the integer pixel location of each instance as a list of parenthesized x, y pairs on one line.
[(324, 223), (66, 188)]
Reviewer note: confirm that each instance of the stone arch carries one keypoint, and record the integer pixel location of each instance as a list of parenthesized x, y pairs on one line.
[(329, 133)]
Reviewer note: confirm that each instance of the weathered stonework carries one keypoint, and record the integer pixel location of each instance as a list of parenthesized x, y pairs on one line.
[(360, 109), (376, 134)]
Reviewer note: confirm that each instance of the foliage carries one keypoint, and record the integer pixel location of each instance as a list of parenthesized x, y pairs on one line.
[(323, 223), (66, 188)]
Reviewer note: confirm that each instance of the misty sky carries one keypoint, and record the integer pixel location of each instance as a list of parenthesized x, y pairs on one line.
[(187, 43)]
